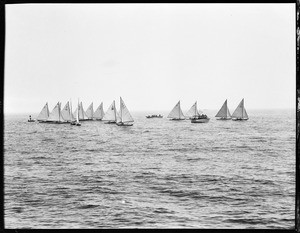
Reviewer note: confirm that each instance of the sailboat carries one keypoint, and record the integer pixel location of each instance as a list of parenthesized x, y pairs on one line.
[(111, 114), (66, 113), (55, 116), (176, 113), (195, 116), (99, 113), (240, 113), (90, 112), (124, 117), (82, 114), (224, 113), (44, 114)]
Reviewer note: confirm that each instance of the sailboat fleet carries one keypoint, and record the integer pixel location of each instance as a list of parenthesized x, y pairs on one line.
[(123, 117), (65, 115), (197, 116)]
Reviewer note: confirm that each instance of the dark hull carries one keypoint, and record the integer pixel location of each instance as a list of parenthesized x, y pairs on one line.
[(122, 124), (223, 119), (154, 117), (239, 119), (31, 120), (177, 119), (54, 122), (200, 120), (110, 122)]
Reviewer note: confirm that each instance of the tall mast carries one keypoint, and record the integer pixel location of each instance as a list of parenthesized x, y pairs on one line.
[(58, 111), (121, 109), (179, 110), (115, 111), (242, 108)]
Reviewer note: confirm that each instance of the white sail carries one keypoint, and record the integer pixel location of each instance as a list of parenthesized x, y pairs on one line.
[(99, 113), (71, 113), (66, 113), (90, 111), (224, 111), (82, 114), (44, 114), (111, 114), (193, 111), (240, 111), (55, 115), (124, 113), (176, 112)]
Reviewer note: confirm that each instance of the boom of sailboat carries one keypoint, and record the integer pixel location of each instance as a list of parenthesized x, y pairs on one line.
[(123, 117)]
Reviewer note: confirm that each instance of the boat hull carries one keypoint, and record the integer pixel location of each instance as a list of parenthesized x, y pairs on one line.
[(110, 122), (239, 119), (200, 120), (54, 122), (223, 119), (123, 124), (31, 120), (175, 119)]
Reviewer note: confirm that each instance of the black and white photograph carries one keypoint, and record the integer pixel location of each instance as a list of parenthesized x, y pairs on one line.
[(150, 115)]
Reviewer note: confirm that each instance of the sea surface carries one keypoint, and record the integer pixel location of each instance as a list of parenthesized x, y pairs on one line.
[(156, 174)]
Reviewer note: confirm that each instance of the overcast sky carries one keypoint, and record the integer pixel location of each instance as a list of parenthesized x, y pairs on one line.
[(152, 55)]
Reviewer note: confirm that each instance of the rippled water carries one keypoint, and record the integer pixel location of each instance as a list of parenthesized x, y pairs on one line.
[(155, 174)]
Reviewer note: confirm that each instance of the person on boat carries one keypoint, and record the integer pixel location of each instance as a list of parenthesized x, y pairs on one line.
[(30, 117)]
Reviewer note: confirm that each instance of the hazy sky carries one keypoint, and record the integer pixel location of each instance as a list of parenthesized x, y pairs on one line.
[(152, 55)]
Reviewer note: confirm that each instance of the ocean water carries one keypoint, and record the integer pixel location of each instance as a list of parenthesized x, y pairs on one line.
[(155, 174)]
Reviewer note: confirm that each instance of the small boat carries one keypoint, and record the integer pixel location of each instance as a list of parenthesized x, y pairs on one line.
[(154, 116), (110, 117), (55, 116), (30, 120), (176, 113), (90, 112), (44, 114), (224, 113), (200, 119), (240, 113), (195, 116), (99, 113), (124, 117)]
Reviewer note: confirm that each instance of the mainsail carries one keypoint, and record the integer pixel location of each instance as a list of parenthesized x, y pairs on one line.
[(90, 111), (55, 115), (240, 111), (176, 112), (99, 113), (224, 111), (111, 114), (71, 113), (82, 114), (66, 113), (125, 115), (44, 114), (193, 112)]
